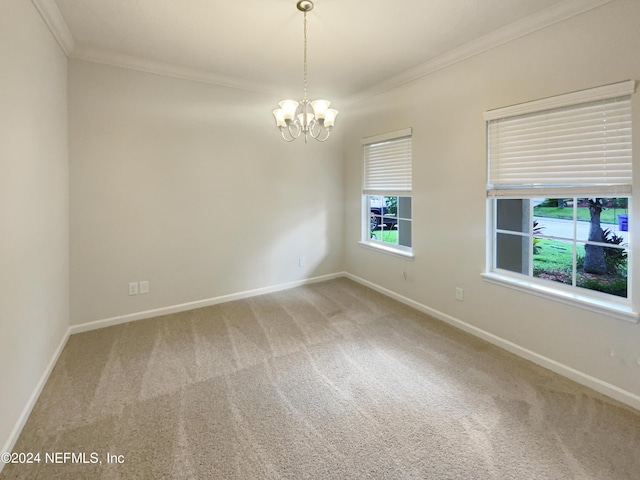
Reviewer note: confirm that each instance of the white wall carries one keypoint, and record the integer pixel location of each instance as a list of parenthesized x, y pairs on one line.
[(34, 235), (189, 186), (445, 110)]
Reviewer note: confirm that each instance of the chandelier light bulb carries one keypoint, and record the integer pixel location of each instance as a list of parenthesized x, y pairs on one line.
[(279, 114), (289, 108), (320, 107), (330, 117)]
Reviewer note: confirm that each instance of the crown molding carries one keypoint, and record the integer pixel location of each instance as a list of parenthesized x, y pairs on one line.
[(562, 11), (165, 69), (51, 15), (545, 18), (53, 18)]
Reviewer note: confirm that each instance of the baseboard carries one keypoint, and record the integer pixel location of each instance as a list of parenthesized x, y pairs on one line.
[(24, 416), (108, 322), (577, 376)]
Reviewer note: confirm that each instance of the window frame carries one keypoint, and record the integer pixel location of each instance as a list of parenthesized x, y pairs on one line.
[(623, 308), (388, 247), (593, 300), (382, 190)]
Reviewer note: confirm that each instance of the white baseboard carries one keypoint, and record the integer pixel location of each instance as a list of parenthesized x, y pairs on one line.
[(108, 322), (26, 411), (582, 378)]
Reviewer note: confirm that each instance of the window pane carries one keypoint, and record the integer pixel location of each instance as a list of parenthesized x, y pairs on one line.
[(512, 253), (604, 269), (391, 206), (609, 215), (404, 233), (553, 260), (375, 204), (513, 215), (404, 207), (378, 233), (389, 236), (553, 217), (375, 222), (375, 211)]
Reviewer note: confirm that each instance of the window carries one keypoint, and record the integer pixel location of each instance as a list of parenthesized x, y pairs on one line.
[(559, 194), (386, 222)]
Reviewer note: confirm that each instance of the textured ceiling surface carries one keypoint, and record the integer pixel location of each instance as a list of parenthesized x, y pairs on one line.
[(353, 44)]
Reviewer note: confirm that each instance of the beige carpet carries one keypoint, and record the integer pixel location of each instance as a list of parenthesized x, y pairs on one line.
[(327, 381)]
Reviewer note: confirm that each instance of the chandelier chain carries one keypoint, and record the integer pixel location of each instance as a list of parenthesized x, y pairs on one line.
[(305, 55)]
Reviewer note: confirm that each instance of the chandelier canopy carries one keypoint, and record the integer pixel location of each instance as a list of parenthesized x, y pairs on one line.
[(313, 118)]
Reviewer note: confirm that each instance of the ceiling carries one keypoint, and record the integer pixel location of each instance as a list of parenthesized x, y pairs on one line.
[(354, 46)]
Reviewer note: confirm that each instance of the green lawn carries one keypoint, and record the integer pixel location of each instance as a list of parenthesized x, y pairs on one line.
[(389, 236), (555, 255), (609, 216), (554, 262)]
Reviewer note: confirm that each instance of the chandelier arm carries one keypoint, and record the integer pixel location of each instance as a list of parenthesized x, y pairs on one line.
[(291, 139), (313, 126), (298, 130), (328, 130), (315, 129)]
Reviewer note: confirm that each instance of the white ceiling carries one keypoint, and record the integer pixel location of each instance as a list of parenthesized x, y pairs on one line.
[(354, 46)]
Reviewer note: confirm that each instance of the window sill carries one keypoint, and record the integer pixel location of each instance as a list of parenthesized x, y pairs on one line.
[(388, 250), (616, 310)]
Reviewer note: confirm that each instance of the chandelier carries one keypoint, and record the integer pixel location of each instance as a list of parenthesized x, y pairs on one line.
[(313, 118)]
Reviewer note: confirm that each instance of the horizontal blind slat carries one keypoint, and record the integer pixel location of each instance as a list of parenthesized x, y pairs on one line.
[(589, 143), (387, 166)]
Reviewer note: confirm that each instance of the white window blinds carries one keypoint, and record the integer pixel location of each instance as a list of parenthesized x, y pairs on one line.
[(579, 143), (387, 163)]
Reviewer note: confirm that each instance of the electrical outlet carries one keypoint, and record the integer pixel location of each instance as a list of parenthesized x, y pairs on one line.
[(144, 286), (133, 288), (459, 294), (302, 262)]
